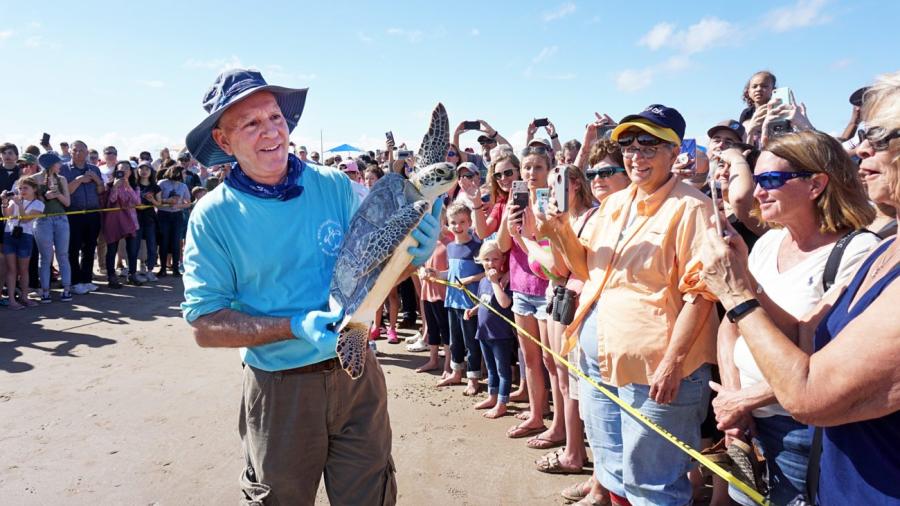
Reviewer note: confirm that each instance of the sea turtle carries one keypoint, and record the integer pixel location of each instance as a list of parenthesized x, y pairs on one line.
[(374, 252)]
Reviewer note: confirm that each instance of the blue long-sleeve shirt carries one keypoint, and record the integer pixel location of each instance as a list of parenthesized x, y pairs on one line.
[(267, 257)]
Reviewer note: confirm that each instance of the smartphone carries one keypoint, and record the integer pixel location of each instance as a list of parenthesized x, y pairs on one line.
[(520, 194), (472, 125), (784, 94), (560, 185), (541, 122), (688, 154), (390, 136), (714, 195), (45, 139), (542, 195)]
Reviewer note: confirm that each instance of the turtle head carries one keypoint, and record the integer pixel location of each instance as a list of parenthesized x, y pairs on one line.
[(434, 180)]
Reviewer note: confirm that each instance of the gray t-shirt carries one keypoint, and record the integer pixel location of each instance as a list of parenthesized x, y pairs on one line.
[(169, 189)]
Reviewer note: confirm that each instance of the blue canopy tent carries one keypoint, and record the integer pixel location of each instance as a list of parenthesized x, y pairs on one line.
[(343, 148)]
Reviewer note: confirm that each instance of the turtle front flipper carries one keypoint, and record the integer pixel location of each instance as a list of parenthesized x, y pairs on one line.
[(352, 346), (379, 245)]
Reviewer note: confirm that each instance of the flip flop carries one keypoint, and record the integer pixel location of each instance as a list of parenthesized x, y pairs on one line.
[(576, 492), (519, 432), (539, 443)]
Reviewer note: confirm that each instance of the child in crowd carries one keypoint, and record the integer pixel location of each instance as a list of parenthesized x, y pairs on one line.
[(18, 237), (464, 349), (495, 335), (435, 314)]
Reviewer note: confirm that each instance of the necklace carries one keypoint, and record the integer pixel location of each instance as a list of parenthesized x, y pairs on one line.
[(882, 262)]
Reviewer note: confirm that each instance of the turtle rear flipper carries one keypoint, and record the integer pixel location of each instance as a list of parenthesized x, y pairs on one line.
[(352, 347)]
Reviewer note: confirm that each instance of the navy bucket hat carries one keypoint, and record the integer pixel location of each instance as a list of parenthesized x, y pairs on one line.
[(229, 88)]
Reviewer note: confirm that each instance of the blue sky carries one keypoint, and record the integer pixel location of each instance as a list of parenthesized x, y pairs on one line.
[(133, 73)]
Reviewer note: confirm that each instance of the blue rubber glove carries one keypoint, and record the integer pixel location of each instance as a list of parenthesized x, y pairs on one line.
[(427, 234), (314, 327)]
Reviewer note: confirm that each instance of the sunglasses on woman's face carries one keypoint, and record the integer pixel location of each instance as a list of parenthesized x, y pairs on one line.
[(775, 179), (603, 172), (878, 137), (452, 154), (642, 138), (506, 173)]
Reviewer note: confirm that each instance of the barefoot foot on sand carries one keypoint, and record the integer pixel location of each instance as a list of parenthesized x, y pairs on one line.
[(490, 402), (496, 412)]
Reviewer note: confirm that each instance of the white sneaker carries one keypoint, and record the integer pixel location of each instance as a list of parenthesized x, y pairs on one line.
[(151, 277), (91, 287), (417, 346), (413, 338), (80, 289)]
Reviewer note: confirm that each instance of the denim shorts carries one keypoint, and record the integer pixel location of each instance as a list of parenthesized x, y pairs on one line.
[(21, 247), (530, 305)]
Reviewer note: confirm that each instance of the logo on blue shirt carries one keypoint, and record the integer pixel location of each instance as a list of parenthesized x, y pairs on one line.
[(330, 237)]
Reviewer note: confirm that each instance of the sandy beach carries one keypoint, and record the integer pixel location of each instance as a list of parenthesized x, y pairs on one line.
[(108, 400)]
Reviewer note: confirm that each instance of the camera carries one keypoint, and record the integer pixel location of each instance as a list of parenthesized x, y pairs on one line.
[(564, 303)]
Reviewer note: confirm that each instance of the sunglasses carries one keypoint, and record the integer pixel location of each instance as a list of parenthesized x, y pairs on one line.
[(535, 150), (776, 178), (467, 175), (452, 153), (643, 139), (506, 173), (878, 137), (602, 172)]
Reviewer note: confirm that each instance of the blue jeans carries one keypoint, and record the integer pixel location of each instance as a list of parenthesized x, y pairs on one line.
[(147, 233), (652, 471), (498, 354), (464, 348), (53, 234), (170, 225), (785, 444)]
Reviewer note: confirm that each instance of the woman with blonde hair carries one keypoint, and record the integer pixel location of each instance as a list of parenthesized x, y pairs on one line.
[(835, 367), (504, 169)]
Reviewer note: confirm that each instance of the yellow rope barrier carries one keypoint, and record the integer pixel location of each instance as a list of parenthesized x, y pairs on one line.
[(699, 457)]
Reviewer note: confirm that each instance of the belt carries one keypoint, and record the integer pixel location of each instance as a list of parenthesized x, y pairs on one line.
[(326, 365)]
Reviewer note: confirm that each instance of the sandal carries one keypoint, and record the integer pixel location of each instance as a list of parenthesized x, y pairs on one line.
[(552, 465), (590, 500), (518, 432), (576, 491), (539, 443)]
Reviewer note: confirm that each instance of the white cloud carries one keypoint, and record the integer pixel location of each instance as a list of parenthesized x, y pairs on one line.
[(412, 36), (365, 39), (155, 83), (545, 53), (801, 14), (705, 34), (561, 12), (632, 80), (219, 64), (5, 34), (697, 38), (841, 64), (658, 36), (474, 32)]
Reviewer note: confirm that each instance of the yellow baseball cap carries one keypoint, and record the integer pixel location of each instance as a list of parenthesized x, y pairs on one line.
[(666, 134)]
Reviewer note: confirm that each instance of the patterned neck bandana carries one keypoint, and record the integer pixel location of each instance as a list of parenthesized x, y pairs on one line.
[(287, 189)]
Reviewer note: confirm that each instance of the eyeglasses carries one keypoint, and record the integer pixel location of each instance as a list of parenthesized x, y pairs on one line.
[(776, 178), (452, 153), (506, 173), (647, 146), (602, 172), (878, 137)]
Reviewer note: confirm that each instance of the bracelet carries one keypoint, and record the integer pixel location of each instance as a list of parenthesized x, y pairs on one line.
[(554, 136), (739, 311)]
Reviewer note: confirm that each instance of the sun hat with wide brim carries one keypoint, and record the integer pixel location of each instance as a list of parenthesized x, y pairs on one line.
[(229, 88)]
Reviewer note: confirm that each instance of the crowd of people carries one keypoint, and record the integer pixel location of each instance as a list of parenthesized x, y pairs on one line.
[(65, 209), (771, 340)]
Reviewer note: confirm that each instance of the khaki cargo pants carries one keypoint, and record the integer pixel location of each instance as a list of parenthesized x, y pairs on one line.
[(296, 427)]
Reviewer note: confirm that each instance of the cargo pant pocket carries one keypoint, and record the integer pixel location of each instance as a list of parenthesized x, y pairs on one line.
[(253, 492), (390, 484)]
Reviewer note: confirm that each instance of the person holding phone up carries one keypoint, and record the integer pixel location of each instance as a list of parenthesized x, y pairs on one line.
[(122, 224), (488, 141)]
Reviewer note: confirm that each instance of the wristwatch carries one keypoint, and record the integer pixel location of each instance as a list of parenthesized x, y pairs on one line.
[(554, 136), (737, 312)]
